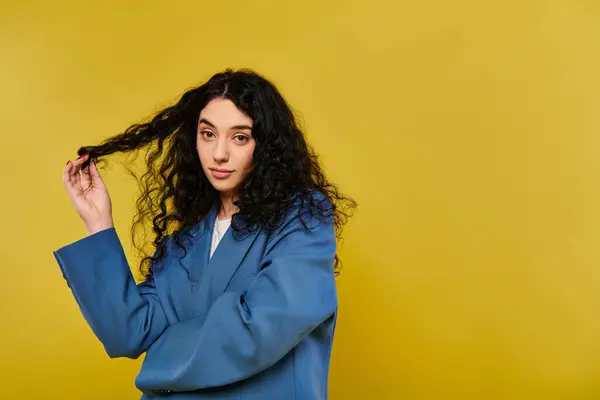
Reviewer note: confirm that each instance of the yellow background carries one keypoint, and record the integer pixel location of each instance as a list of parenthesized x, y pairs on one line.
[(466, 130)]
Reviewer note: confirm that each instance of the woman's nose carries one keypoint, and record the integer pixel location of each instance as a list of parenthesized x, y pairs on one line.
[(221, 153)]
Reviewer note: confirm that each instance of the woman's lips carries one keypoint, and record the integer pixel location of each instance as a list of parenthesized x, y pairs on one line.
[(221, 173)]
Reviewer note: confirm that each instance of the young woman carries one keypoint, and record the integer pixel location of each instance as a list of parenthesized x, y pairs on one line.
[(239, 297)]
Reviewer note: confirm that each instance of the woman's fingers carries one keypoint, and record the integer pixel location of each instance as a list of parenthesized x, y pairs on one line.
[(66, 177), (96, 177), (86, 179), (77, 174), (72, 176), (70, 182), (79, 162)]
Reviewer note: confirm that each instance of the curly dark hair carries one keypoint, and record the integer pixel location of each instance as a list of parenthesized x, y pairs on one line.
[(175, 193)]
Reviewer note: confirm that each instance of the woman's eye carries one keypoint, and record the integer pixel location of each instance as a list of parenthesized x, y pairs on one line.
[(207, 134), (241, 138)]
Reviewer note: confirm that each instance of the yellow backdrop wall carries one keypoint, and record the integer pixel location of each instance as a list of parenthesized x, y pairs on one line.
[(466, 130)]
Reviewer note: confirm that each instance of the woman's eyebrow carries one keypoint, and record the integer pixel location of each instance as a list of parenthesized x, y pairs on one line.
[(207, 122), (238, 127)]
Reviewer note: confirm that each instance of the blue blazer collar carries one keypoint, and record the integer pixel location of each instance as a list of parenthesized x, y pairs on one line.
[(226, 259), (211, 276)]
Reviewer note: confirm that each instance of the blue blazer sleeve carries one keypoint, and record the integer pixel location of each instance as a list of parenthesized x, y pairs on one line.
[(127, 318), (242, 335)]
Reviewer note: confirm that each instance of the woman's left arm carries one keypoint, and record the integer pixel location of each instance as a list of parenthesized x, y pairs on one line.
[(244, 334)]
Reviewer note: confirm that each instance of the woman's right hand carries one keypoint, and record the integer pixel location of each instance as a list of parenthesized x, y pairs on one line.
[(88, 195)]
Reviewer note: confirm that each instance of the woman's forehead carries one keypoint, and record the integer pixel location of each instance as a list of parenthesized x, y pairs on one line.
[(223, 113)]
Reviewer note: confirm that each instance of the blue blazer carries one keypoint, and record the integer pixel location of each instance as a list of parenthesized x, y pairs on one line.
[(254, 322)]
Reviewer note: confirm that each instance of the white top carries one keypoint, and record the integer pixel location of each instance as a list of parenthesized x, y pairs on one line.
[(219, 230)]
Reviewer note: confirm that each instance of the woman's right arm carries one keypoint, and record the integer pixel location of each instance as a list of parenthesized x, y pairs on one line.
[(127, 318)]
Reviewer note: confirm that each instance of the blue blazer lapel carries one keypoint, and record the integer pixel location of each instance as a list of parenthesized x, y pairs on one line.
[(185, 276), (202, 241), (203, 279), (226, 259), (198, 246)]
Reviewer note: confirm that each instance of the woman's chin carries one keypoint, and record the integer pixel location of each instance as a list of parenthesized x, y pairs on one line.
[(223, 186)]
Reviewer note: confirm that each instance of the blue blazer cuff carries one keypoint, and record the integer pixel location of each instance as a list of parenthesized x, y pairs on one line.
[(71, 258)]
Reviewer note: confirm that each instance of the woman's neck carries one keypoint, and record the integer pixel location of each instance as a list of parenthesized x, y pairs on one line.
[(226, 206)]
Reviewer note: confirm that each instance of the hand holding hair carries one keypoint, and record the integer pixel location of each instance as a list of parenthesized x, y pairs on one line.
[(88, 194)]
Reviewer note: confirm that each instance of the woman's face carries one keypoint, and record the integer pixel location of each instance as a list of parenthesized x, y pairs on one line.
[(225, 145)]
